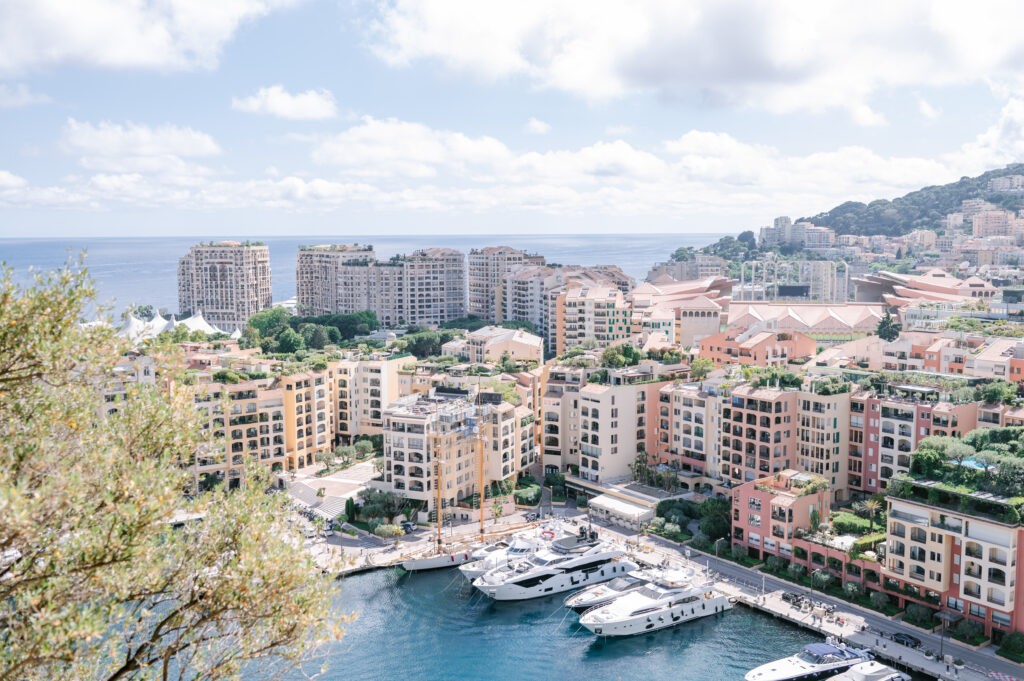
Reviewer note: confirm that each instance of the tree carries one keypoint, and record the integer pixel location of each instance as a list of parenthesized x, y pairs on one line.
[(888, 328), (700, 368), (998, 392), (869, 507), (821, 578), (497, 510), (378, 504), (96, 582), (350, 508), (878, 600), (363, 448), (345, 454), (796, 570), (270, 322), (290, 342), (853, 589)]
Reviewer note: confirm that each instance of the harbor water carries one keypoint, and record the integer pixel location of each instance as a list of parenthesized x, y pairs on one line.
[(434, 625)]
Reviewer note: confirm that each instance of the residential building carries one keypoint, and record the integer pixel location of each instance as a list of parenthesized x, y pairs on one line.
[(427, 287), (317, 275), (590, 313), (941, 556), (310, 409), (769, 516), (365, 386), (689, 441), (702, 266), (487, 269), (227, 281), (493, 343), (759, 433)]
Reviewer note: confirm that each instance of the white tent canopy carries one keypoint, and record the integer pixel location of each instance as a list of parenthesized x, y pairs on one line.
[(620, 512)]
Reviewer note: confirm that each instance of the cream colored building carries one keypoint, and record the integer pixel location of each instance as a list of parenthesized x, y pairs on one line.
[(492, 343), (487, 270), (317, 271), (590, 312), (227, 281), (365, 386), (427, 287)]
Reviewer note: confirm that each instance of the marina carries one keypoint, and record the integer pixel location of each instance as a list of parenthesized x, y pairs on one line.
[(771, 610)]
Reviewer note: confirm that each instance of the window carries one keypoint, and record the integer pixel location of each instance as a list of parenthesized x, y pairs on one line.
[(977, 611)]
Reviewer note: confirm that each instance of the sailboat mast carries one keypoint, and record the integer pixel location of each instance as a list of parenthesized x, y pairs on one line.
[(437, 490), (480, 455)]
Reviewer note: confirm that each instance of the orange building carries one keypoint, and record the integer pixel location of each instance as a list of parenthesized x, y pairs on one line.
[(756, 347)]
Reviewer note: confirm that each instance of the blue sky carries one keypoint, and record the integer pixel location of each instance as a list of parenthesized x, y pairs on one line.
[(296, 116)]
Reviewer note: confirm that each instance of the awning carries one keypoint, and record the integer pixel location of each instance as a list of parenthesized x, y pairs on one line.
[(618, 508)]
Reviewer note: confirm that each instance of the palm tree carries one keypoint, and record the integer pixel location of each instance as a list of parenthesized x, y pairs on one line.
[(869, 507)]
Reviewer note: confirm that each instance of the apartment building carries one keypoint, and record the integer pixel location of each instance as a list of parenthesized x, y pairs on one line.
[(618, 421), (560, 406), (310, 421), (823, 439), (885, 429), (245, 424), (131, 369), (759, 433), (317, 274), (365, 386), (487, 270), (702, 266), (766, 514), (584, 312), (492, 343), (427, 287), (943, 557), (439, 440), (689, 426), (227, 281)]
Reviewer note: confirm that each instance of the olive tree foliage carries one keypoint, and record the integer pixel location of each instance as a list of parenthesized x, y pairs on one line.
[(95, 581)]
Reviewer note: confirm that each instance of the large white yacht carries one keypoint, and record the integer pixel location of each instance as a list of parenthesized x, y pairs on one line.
[(671, 599), (870, 671), (815, 661), (602, 594), (438, 558), (570, 563), (514, 549)]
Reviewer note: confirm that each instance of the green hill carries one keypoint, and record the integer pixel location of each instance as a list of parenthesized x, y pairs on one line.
[(921, 209)]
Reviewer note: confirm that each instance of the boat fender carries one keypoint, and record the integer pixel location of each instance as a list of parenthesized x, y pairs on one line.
[(547, 534)]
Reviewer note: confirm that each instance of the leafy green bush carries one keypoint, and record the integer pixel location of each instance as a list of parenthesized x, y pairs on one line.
[(1012, 647), (386, 530), (848, 523)]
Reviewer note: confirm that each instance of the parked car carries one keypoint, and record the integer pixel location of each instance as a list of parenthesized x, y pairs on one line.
[(530, 517), (308, 532), (790, 597), (328, 532), (907, 640), (408, 527)]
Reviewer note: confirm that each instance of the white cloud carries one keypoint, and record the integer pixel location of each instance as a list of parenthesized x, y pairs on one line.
[(795, 56), (536, 126), (310, 105), (18, 95), (9, 180), (134, 148), (391, 147), (401, 166), (926, 109), (145, 34)]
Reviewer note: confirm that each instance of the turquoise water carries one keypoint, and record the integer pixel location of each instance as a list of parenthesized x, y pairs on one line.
[(434, 626)]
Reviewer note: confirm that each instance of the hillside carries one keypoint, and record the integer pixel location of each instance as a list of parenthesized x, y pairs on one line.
[(921, 209)]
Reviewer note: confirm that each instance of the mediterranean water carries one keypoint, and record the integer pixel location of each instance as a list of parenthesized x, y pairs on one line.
[(434, 626), (143, 271)]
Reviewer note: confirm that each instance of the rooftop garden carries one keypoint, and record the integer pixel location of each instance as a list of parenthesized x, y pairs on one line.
[(982, 474)]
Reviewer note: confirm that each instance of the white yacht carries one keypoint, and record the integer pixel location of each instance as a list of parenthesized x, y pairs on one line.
[(815, 661), (602, 594), (570, 563), (671, 599), (513, 550), (438, 558), (870, 671)]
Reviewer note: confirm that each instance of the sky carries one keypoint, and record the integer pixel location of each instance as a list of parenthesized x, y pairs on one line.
[(258, 117)]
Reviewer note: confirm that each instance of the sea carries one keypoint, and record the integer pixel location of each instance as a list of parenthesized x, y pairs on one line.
[(434, 626), (143, 271)]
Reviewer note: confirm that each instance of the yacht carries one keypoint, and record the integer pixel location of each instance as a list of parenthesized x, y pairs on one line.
[(870, 671), (603, 594), (438, 558), (671, 599), (815, 661), (513, 550), (569, 563)]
